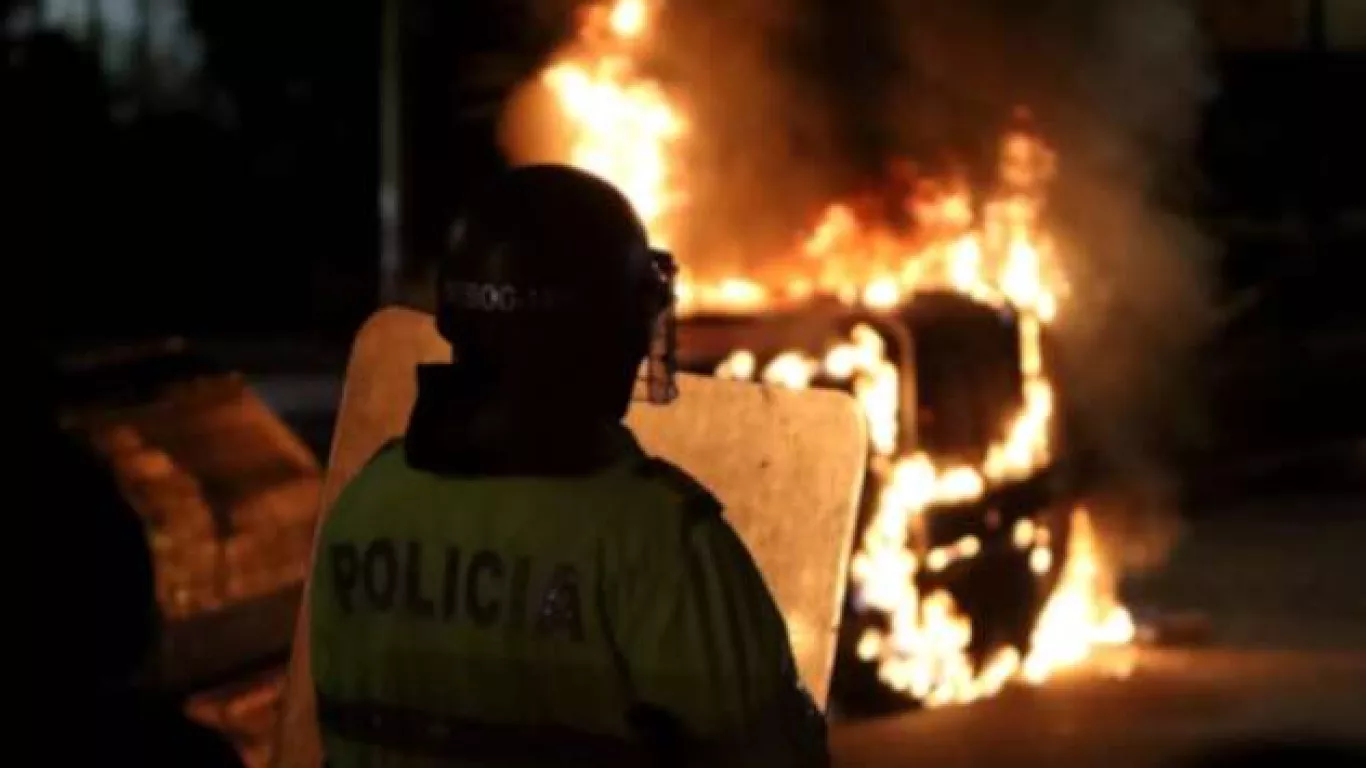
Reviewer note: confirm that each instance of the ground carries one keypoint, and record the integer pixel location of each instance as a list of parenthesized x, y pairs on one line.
[(1174, 704)]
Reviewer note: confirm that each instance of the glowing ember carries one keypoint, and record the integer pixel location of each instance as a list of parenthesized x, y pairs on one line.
[(996, 251)]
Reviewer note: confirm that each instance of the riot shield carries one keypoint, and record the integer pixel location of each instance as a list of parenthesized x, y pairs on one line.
[(787, 465)]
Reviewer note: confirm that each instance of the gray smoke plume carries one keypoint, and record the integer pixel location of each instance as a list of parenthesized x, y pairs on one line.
[(1118, 88), (795, 101), (1142, 269)]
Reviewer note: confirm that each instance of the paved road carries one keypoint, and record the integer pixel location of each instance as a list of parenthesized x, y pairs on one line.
[(1174, 703), (1287, 573)]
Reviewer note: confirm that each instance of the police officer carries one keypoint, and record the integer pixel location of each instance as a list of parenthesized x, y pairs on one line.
[(515, 581)]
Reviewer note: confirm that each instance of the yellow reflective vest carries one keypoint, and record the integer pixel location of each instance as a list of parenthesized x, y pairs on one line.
[(608, 619)]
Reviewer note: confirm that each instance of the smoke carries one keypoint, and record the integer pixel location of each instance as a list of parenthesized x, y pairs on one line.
[(1118, 88), (761, 149), (797, 101), (794, 103)]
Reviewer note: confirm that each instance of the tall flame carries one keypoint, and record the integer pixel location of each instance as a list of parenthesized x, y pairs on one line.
[(624, 126), (626, 130)]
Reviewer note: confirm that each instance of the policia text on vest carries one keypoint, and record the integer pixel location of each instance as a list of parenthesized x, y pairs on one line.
[(485, 588)]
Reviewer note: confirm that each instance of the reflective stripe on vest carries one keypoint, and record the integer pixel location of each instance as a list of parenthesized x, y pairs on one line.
[(416, 732)]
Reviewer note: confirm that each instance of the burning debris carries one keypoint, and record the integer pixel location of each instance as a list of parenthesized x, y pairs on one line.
[(856, 302), (228, 495)]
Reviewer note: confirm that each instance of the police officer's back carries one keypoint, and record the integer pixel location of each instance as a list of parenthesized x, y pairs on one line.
[(516, 582)]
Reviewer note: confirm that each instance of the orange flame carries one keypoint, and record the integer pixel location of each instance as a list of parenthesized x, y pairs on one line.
[(626, 129), (624, 125)]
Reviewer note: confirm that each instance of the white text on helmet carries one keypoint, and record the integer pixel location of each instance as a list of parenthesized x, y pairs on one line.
[(501, 297)]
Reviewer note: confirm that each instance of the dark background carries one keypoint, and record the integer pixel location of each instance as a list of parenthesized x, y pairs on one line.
[(239, 199), (244, 198)]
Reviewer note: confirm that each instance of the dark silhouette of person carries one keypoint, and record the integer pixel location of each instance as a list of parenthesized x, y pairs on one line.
[(97, 618)]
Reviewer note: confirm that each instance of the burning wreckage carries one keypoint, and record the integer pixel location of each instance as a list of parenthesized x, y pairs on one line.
[(975, 561)]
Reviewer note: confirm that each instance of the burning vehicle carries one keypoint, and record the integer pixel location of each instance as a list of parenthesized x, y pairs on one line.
[(975, 563)]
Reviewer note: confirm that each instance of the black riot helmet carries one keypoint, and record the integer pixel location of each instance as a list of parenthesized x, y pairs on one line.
[(551, 296)]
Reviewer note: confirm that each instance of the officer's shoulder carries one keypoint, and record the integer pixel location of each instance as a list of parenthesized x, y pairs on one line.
[(388, 457), (387, 453), (694, 499), (392, 448)]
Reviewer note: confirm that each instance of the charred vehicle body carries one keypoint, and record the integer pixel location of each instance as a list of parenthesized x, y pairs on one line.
[(958, 388)]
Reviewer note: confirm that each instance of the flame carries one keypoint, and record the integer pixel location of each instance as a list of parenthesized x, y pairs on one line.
[(925, 649), (996, 251), (624, 126), (1081, 613)]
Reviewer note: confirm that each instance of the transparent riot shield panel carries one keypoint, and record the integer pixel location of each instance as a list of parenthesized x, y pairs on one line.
[(787, 465)]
